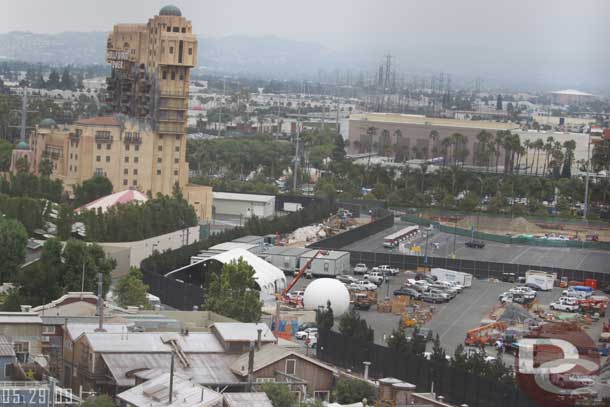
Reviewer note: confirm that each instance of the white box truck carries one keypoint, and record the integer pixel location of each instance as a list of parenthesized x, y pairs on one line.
[(464, 279), (292, 207), (544, 280)]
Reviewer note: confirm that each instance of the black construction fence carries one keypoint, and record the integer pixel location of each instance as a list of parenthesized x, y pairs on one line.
[(355, 234), (175, 293), (478, 268), (456, 385)]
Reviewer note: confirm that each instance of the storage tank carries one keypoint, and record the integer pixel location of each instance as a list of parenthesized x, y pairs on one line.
[(322, 290)]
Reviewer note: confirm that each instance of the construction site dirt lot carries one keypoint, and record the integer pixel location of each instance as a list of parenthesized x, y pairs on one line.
[(448, 245), (519, 225)]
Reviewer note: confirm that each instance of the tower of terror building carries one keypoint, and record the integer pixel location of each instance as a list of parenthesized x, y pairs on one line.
[(140, 141)]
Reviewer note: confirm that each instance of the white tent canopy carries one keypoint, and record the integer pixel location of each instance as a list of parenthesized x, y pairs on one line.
[(268, 277)]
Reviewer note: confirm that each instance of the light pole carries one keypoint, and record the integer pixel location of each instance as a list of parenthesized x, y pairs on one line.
[(586, 208), (426, 250)]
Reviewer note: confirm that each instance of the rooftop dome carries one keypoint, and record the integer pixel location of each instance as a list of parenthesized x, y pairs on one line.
[(47, 123), (170, 10), (22, 145)]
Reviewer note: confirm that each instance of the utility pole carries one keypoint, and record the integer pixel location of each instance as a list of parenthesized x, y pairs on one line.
[(296, 153), (586, 208)]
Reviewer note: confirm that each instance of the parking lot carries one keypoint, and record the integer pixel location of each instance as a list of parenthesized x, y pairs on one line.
[(450, 245)]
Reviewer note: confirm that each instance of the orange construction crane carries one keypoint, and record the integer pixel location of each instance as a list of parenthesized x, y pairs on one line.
[(300, 274), (481, 336)]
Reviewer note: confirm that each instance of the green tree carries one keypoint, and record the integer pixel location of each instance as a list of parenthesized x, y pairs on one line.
[(279, 394), (469, 202), (438, 353), (45, 168), (77, 254), (53, 81), (92, 189), (398, 340), (67, 82), (325, 319), (13, 240), (356, 328), (6, 151), (99, 401), (65, 219), (351, 391), (234, 293), (131, 290)]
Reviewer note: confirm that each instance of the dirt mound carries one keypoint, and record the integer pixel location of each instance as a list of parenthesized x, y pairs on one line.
[(485, 223)]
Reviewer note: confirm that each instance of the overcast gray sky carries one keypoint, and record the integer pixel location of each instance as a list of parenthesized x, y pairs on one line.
[(547, 36)]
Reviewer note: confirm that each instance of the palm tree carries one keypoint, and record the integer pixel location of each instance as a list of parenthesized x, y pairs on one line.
[(435, 137), (548, 148), (527, 145), (570, 146), (498, 143), (538, 145), (481, 155), (385, 141), (397, 142), (445, 148), (422, 169)]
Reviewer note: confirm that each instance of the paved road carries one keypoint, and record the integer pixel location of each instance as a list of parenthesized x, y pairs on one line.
[(572, 258)]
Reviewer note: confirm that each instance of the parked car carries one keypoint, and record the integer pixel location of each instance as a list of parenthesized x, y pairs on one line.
[(409, 292), (428, 277), (517, 298), (374, 277), (360, 268), (456, 285), (564, 306), (311, 340), (363, 285), (345, 279), (445, 286), (387, 270), (444, 294), (508, 277), (303, 334), (475, 244), (533, 286), (306, 325), (432, 297), (525, 291)]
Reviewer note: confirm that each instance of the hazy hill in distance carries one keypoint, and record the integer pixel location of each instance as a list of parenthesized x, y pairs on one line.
[(234, 54)]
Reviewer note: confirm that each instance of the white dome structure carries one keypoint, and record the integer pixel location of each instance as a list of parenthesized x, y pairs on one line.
[(322, 290)]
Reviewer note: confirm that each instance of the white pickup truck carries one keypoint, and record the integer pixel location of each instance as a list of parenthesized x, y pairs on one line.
[(386, 270), (374, 277), (563, 306)]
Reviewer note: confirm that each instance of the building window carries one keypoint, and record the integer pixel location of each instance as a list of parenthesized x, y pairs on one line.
[(136, 160), (171, 50), (135, 171), (98, 158), (76, 156), (169, 29), (181, 76), (164, 75), (135, 182), (22, 349), (107, 158), (190, 51), (159, 160), (160, 136), (326, 265), (99, 146), (184, 29), (125, 171), (99, 172), (176, 172), (71, 156), (75, 168), (160, 148), (177, 149), (48, 330), (124, 182), (176, 160), (291, 366), (173, 75), (127, 147), (108, 146), (126, 159), (176, 29), (137, 147), (158, 172), (70, 168)]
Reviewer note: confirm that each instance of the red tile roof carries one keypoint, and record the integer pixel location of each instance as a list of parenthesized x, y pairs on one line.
[(100, 121)]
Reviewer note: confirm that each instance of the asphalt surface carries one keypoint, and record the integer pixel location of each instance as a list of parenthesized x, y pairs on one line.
[(450, 245)]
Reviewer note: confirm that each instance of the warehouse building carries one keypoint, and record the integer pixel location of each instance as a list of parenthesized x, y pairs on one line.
[(243, 205)]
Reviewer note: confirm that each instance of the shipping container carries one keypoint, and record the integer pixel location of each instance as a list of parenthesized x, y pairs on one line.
[(544, 280)]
